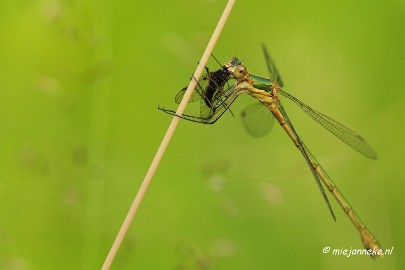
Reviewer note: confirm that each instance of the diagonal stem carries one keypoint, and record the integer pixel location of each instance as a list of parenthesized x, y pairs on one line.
[(166, 139)]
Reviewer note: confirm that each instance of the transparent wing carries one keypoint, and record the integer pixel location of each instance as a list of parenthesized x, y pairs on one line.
[(216, 91), (344, 133), (257, 119), (198, 92), (211, 90), (194, 97), (214, 113), (274, 75)]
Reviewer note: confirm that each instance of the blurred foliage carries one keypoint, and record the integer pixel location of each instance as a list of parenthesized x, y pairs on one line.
[(80, 82)]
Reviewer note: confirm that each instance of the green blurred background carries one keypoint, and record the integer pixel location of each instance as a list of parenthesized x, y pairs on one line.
[(80, 84)]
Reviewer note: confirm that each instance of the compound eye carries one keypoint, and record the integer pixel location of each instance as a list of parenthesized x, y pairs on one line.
[(239, 72)]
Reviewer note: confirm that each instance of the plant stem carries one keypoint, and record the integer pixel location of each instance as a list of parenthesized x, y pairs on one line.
[(166, 139)]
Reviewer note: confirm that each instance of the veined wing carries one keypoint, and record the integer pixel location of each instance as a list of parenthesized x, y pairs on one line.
[(257, 119), (209, 91), (344, 133), (215, 113), (273, 73), (215, 93), (206, 87), (194, 96)]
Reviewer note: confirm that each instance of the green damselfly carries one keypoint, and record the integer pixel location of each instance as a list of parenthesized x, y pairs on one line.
[(268, 92)]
